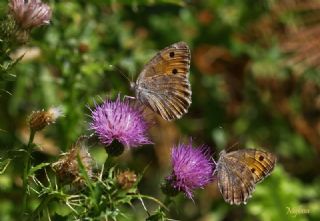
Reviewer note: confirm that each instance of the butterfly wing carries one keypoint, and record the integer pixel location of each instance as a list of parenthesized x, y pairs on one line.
[(260, 163), (239, 171), (164, 85), (235, 181)]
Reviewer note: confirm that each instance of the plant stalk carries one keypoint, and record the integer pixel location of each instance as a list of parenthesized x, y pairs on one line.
[(27, 164), (41, 207)]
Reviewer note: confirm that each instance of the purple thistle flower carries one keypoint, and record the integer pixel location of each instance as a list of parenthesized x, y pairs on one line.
[(192, 168), (29, 14), (118, 120)]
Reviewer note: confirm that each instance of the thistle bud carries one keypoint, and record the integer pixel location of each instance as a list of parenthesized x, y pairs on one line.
[(67, 167), (30, 14), (126, 179), (40, 119)]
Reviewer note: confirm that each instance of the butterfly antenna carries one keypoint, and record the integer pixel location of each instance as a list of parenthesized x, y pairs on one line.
[(232, 146), (125, 76), (131, 78), (240, 140)]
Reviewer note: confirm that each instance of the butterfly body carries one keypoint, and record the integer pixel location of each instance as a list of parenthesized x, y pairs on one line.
[(163, 84), (239, 171)]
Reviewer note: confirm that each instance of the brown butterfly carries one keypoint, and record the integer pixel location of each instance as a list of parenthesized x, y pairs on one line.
[(239, 171), (163, 84)]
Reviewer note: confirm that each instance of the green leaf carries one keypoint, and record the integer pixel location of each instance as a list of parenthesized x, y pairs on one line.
[(38, 167), (4, 164)]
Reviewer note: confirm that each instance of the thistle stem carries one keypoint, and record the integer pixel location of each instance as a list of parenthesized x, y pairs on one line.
[(27, 164), (167, 201), (41, 207)]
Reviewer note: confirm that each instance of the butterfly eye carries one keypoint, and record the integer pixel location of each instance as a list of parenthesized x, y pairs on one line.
[(174, 71), (171, 54), (261, 158), (253, 170)]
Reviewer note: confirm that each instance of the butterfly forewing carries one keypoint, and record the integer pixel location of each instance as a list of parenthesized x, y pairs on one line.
[(172, 60), (163, 84), (260, 163), (239, 172), (264, 165)]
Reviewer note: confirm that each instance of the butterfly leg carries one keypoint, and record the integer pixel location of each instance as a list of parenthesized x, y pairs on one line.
[(129, 97)]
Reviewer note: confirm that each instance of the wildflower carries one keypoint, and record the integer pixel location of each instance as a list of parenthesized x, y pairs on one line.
[(121, 122), (30, 14), (126, 179), (67, 167), (40, 119), (192, 168)]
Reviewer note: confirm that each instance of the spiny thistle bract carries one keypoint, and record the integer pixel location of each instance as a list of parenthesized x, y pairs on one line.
[(126, 179), (67, 167)]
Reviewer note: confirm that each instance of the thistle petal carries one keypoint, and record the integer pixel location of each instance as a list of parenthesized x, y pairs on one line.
[(192, 168), (118, 120)]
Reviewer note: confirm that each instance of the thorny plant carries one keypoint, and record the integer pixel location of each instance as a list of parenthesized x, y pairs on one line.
[(89, 193), (82, 190)]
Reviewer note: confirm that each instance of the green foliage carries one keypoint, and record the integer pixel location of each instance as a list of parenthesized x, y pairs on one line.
[(246, 92), (288, 195), (100, 199)]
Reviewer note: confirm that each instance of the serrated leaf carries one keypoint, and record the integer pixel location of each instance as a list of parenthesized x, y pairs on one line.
[(38, 167), (4, 164)]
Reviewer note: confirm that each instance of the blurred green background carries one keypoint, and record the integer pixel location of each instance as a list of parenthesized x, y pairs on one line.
[(255, 81)]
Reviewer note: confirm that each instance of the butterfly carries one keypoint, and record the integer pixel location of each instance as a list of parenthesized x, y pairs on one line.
[(163, 84), (239, 171)]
